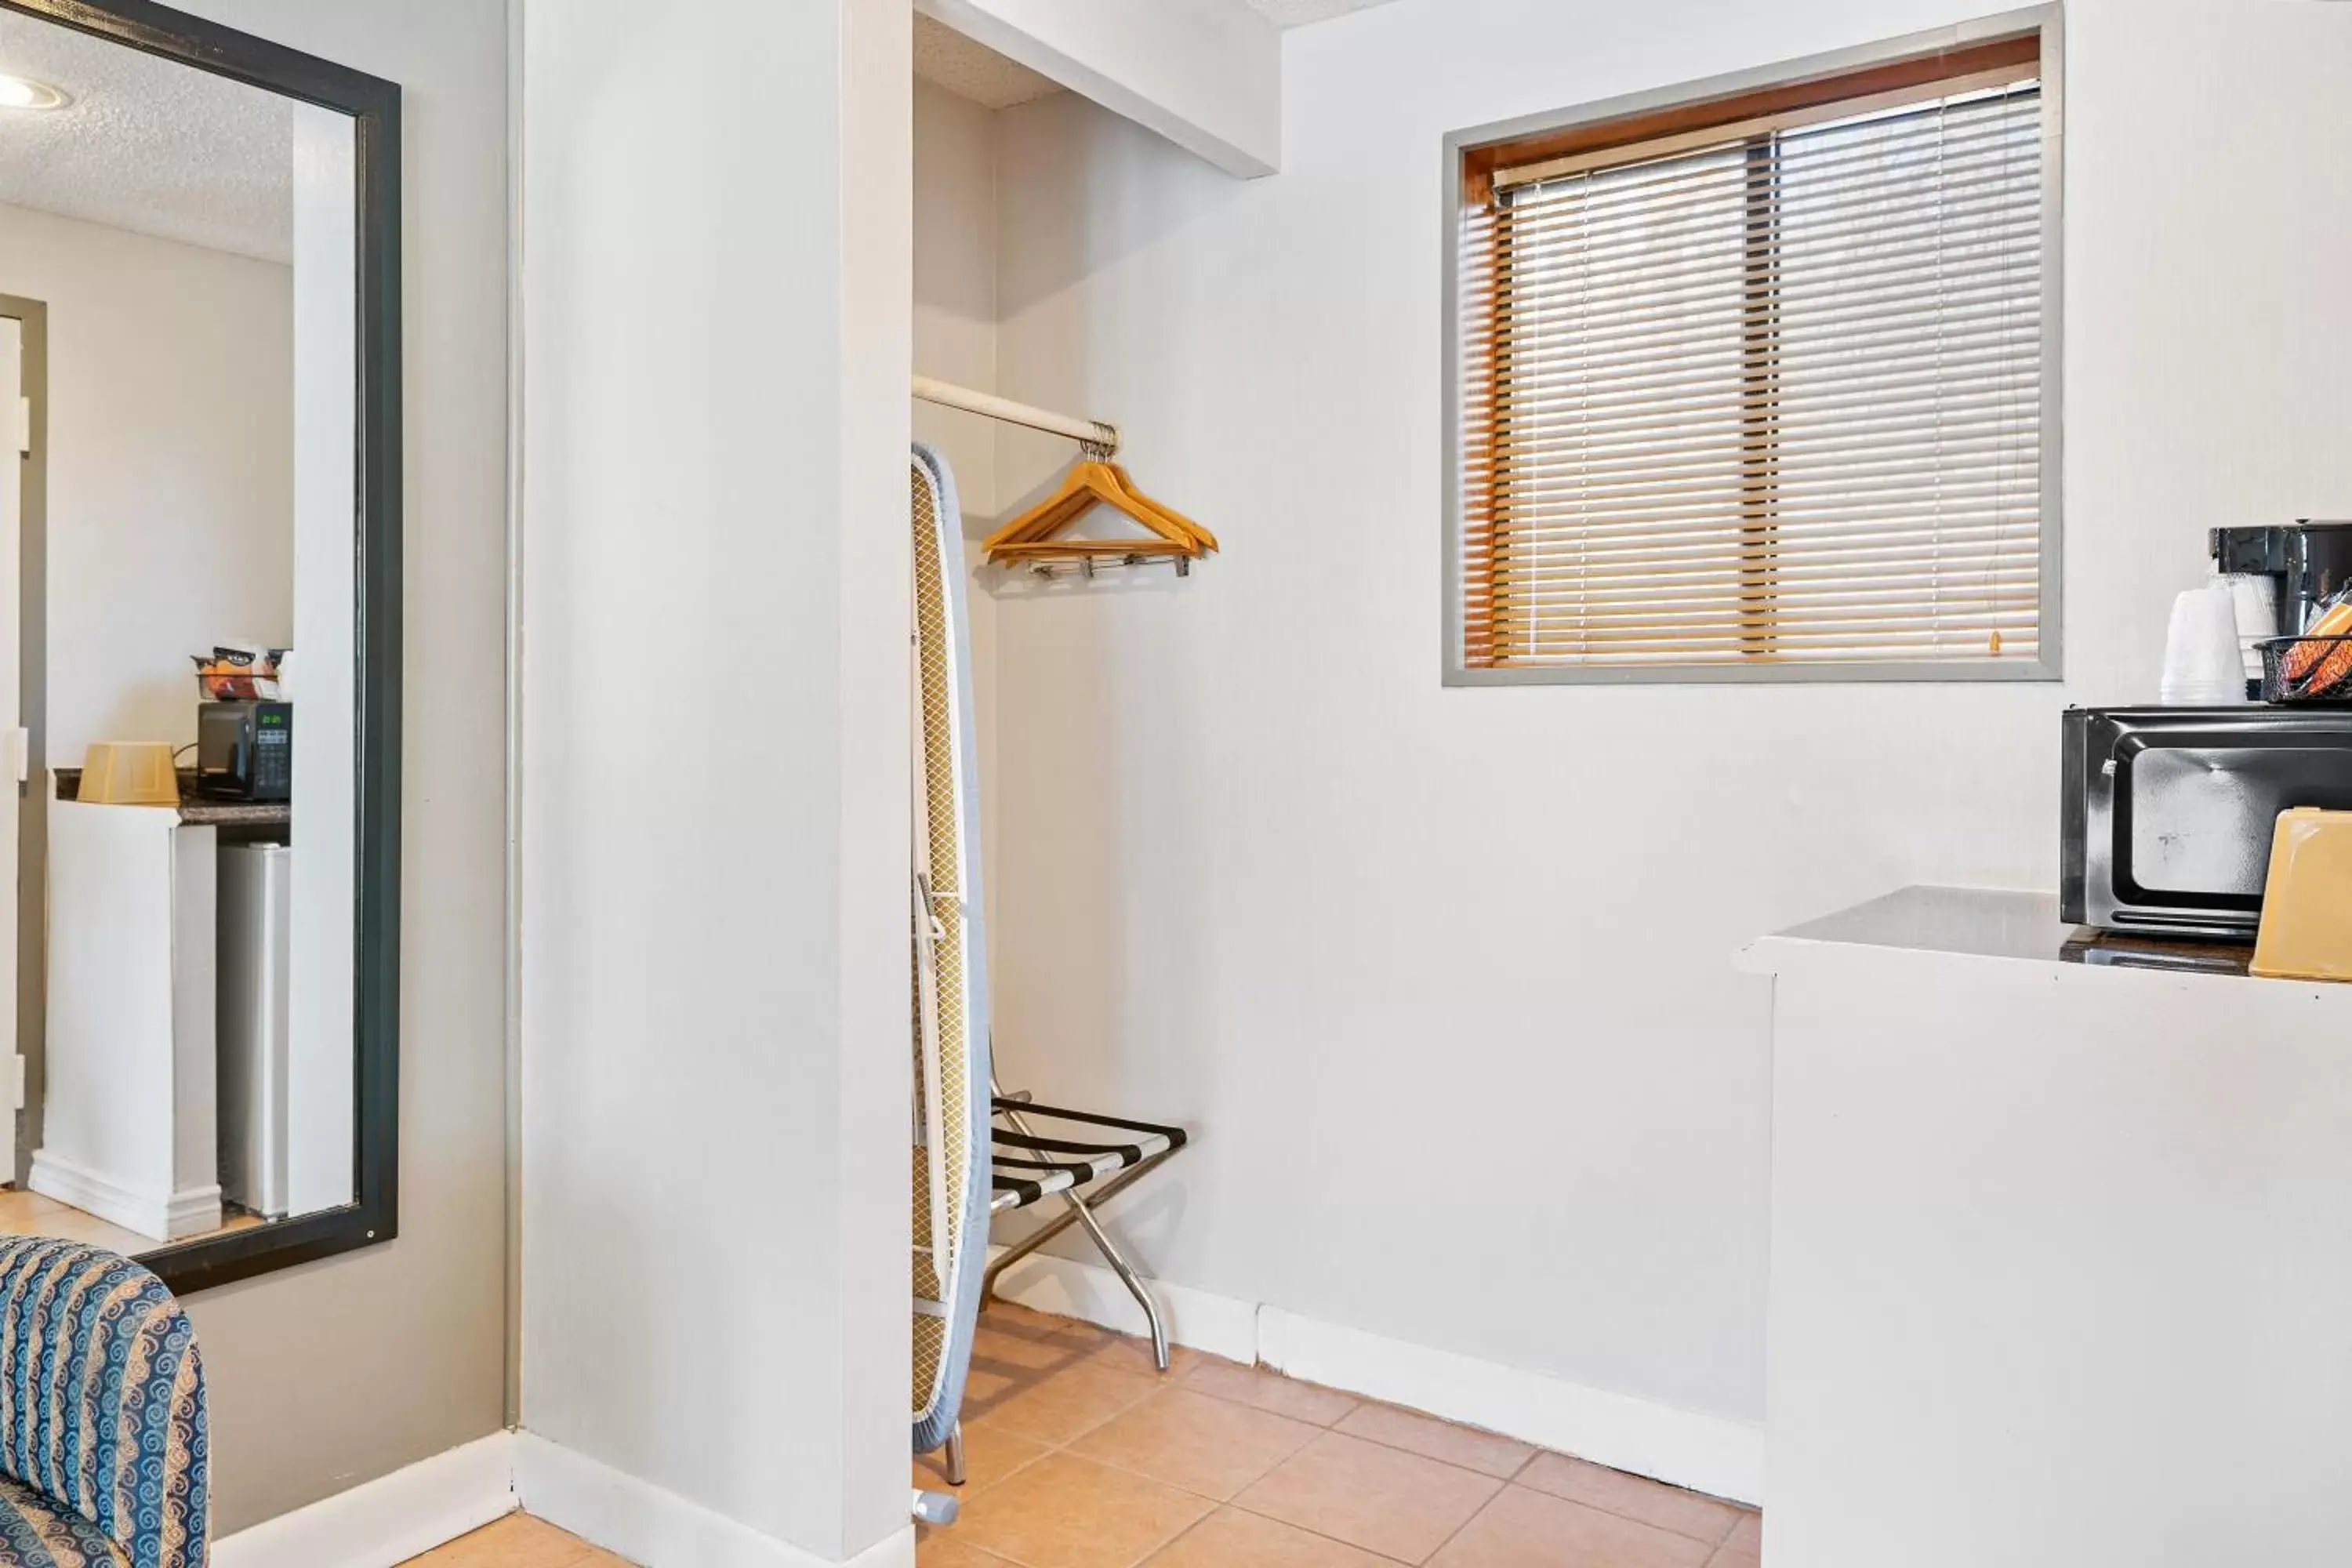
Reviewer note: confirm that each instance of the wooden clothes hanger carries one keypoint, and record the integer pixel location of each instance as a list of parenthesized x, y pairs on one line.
[(1093, 482), (1202, 536)]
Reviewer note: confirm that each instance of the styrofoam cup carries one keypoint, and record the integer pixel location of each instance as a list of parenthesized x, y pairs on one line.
[(2203, 664)]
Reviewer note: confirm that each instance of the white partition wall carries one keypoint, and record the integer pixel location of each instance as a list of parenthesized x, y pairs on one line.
[(132, 1093), (716, 289)]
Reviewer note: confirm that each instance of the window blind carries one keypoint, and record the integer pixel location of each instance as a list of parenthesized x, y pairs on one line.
[(1765, 392)]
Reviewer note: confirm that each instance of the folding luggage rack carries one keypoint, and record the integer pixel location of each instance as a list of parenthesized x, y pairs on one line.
[(1028, 1167)]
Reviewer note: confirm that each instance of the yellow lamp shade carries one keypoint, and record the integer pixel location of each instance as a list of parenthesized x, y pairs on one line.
[(129, 773)]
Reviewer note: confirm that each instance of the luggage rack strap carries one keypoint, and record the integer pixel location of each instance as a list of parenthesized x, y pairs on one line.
[(1019, 1179), (1175, 1135)]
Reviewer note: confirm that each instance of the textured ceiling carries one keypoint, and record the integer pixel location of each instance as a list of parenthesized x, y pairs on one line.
[(147, 145), (945, 57)]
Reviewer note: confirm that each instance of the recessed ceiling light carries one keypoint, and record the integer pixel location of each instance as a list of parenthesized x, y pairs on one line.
[(23, 92)]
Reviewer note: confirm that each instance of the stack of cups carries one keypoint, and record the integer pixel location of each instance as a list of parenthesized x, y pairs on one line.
[(2203, 665), (2256, 596)]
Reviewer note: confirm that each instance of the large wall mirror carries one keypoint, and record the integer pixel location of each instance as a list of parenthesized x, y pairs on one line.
[(200, 667)]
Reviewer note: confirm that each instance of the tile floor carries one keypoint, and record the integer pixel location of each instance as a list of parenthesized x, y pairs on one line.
[(29, 1214), (516, 1540), (1081, 1456)]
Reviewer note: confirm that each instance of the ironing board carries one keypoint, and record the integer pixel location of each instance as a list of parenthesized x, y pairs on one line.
[(952, 1181), (966, 1167)]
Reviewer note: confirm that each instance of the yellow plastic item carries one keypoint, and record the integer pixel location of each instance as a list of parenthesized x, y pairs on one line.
[(2306, 932), (129, 773)]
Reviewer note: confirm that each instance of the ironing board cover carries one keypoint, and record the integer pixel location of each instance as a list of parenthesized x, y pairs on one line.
[(947, 778)]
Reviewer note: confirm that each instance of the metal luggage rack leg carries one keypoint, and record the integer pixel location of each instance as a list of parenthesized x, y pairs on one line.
[(1022, 1177)]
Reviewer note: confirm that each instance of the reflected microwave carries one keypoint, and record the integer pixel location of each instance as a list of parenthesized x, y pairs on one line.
[(2168, 812), (245, 750)]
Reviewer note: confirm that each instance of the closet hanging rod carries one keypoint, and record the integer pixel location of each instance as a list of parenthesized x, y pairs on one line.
[(1090, 432)]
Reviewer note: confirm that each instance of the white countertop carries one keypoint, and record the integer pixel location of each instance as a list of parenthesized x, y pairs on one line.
[(1990, 922)]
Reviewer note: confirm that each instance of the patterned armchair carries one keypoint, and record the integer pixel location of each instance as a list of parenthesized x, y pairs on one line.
[(102, 1457)]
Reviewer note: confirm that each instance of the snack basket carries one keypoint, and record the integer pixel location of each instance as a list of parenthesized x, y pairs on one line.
[(2307, 670)]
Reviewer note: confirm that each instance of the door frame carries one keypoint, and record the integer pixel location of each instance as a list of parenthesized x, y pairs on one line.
[(33, 715)]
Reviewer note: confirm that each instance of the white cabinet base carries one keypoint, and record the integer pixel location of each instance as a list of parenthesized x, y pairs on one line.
[(2059, 1273), (130, 1109), (193, 1212)]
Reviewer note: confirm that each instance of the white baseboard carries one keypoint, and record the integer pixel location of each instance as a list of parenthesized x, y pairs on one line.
[(1705, 1453), (1201, 1319), (190, 1212), (646, 1524), (386, 1521)]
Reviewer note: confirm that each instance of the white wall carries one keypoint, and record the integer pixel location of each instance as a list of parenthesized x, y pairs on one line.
[(955, 340), (171, 467), (716, 291), (1441, 977), (329, 1375)]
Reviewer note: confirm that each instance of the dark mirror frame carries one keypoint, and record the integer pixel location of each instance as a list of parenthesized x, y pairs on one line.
[(373, 105)]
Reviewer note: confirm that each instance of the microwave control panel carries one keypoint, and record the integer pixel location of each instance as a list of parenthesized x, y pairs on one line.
[(273, 753)]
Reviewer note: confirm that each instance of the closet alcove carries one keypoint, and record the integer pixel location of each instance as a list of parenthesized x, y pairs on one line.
[(1031, 538)]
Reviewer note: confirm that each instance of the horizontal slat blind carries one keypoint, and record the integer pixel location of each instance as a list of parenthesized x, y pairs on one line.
[(1772, 401)]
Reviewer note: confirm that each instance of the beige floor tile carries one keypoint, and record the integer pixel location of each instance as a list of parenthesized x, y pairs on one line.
[(1013, 1316), (1133, 1352), (1013, 1339), (516, 1540), (1523, 1528), (1633, 1496), (1067, 1403), (1232, 1539), (73, 1225), (1501, 1458), (27, 1213), (989, 1454), (941, 1549), (1067, 1512), (1213, 1447), (1744, 1547), (1269, 1390), (1383, 1500), (985, 1388), (19, 1206)]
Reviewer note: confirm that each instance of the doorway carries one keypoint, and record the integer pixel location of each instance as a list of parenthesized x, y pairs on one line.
[(24, 531)]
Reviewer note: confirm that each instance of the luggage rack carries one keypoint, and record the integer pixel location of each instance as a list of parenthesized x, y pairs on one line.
[(1028, 1167)]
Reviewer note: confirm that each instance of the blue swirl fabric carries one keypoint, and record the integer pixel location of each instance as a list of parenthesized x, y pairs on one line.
[(37, 1533), (102, 1437)]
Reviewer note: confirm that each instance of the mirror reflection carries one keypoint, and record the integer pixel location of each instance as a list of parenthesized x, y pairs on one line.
[(177, 348)]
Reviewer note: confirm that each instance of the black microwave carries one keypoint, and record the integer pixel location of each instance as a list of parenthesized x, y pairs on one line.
[(245, 750), (2168, 815)]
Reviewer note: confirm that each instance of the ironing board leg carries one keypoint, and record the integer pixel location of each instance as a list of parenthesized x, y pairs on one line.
[(955, 1455)]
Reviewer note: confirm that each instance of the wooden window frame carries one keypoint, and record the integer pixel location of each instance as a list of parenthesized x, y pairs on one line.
[(1472, 160)]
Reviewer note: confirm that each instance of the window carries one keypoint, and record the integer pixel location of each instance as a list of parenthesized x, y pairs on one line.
[(1756, 383)]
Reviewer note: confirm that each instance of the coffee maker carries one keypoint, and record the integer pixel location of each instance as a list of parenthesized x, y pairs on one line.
[(2309, 562)]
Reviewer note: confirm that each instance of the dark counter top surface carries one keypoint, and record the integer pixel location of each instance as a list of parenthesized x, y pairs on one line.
[(195, 810)]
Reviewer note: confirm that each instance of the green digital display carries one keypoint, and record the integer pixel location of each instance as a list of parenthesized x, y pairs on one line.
[(271, 720)]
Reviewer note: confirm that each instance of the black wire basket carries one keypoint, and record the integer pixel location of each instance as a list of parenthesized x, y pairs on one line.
[(2307, 670)]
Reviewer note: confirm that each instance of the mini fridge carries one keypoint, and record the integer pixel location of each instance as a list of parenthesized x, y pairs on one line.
[(255, 897)]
